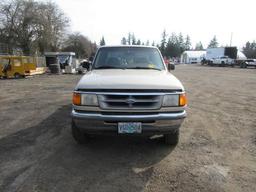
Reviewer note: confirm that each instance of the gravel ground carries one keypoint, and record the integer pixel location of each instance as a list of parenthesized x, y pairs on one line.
[(217, 149)]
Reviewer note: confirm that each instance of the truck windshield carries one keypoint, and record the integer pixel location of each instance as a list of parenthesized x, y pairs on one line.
[(128, 58)]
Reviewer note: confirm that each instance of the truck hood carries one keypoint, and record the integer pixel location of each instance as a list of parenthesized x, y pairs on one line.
[(129, 79)]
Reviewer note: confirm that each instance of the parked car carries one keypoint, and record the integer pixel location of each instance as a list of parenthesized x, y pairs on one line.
[(249, 62), (83, 66), (128, 91)]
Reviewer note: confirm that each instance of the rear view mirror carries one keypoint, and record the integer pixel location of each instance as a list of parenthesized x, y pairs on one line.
[(170, 66)]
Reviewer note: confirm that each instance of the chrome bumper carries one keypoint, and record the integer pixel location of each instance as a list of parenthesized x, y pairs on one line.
[(98, 116), (152, 123)]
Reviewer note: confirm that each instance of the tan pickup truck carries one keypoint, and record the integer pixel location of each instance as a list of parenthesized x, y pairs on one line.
[(128, 91)]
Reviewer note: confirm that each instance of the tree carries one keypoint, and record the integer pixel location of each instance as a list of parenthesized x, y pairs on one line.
[(153, 43), (163, 43), (31, 26), (250, 50), (181, 43), (123, 41), (199, 46), (213, 43), (173, 47), (133, 39), (129, 39), (138, 42), (187, 43), (79, 44), (147, 43), (102, 41), (52, 28)]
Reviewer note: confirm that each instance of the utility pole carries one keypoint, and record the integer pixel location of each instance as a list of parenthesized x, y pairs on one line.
[(231, 38)]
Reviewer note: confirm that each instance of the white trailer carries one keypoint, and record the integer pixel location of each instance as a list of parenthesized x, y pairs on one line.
[(66, 61), (221, 56)]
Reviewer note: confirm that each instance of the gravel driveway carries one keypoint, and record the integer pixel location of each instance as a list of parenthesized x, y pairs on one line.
[(217, 149)]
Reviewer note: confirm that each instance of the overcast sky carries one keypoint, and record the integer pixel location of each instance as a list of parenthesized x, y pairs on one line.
[(200, 19)]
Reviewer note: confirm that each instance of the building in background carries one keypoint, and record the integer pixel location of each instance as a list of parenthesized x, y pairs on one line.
[(241, 55), (190, 57)]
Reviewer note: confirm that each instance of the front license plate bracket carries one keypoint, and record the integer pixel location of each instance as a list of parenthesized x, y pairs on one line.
[(129, 127)]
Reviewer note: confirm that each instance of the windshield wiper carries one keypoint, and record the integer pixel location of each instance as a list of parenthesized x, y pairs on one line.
[(144, 68), (106, 67)]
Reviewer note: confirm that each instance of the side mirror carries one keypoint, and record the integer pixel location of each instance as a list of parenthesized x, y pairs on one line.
[(89, 66), (91, 58), (170, 66)]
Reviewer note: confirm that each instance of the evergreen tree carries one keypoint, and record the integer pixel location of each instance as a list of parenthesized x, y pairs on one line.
[(129, 39), (138, 42), (147, 43), (181, 43), (153, 43), (123, 41), (163, 43), (187, 43), (133, 39), (213, 43), (250, 50), (199, 46), (173, 48), (102, 41)]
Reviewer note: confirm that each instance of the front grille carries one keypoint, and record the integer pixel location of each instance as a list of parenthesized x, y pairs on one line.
[(130, 101)]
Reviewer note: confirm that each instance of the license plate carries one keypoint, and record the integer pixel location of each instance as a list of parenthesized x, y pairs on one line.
[(129, 127)]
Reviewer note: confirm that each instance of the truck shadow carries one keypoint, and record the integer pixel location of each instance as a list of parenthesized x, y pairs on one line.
[(46, 158)]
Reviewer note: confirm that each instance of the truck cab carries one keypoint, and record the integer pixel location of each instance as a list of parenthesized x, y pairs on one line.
[(222, 61)]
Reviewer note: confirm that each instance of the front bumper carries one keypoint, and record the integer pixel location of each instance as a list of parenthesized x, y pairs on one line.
[(158, 123)]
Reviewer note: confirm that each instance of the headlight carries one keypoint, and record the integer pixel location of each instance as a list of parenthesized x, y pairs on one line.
[(89, 99), (85, 99), (174, 100), (171, 101)]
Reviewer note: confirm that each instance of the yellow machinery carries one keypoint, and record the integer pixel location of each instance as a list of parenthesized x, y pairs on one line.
[(17, 66)]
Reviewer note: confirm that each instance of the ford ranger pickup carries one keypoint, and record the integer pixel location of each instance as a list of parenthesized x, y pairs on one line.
[(128, 90)]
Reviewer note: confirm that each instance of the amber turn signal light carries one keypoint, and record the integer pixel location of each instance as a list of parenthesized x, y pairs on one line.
[(76, 98), (182, 100)]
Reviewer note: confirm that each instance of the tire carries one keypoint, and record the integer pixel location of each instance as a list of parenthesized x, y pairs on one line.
[(79, 136), (55, 68), (243, 65), (17, 76), (172, 138)]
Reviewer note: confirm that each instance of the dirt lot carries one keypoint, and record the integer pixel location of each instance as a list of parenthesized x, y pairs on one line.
[(217, 150)]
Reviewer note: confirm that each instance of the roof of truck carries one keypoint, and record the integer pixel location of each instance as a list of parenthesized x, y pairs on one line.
[(143, 46)]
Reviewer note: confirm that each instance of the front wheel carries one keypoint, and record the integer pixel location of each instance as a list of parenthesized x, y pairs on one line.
[(80, 137), (172, 138)]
